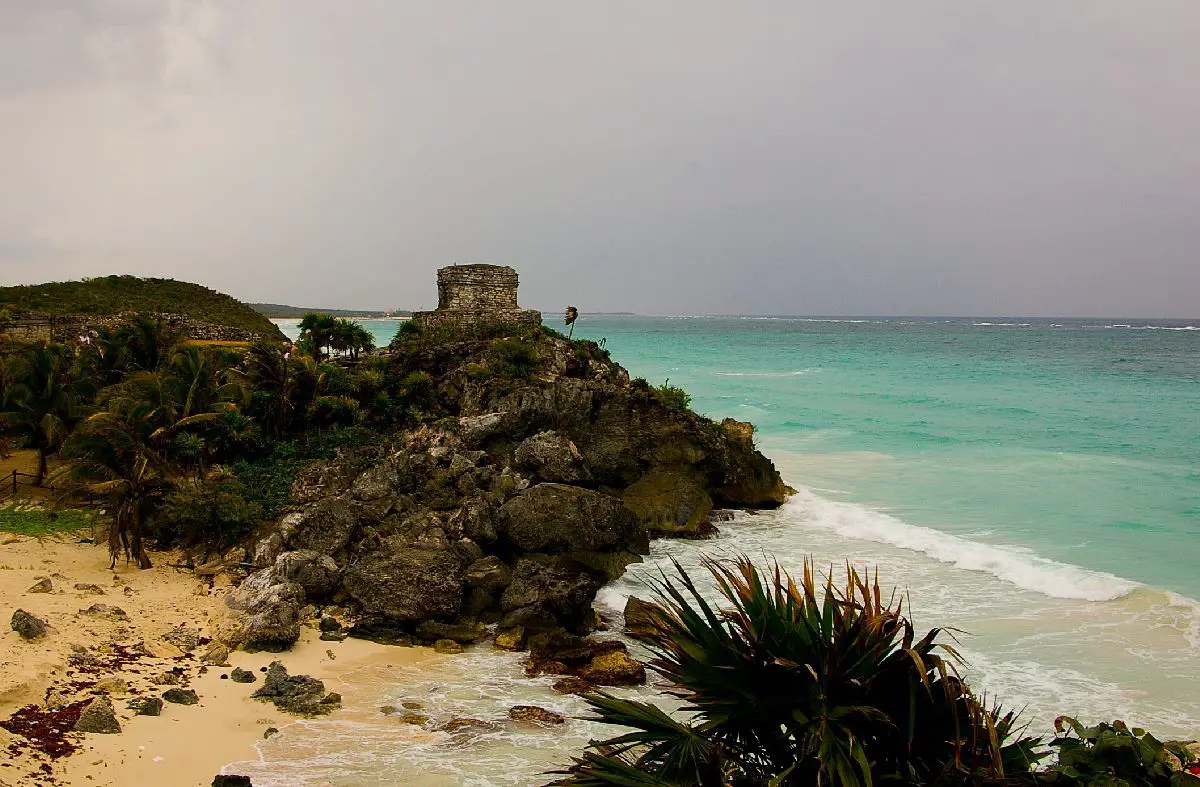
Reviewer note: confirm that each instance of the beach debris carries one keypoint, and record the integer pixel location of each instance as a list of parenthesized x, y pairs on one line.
[(181, 696), (532, 714), (300, 694), (28, 625), (146, 706), (270, 732), (447, 646), (239, 675), (98, 717), (43, 585), (45, 730), (89, 589)]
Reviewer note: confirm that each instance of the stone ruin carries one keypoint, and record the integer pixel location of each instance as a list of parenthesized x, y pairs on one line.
[(471, 295)]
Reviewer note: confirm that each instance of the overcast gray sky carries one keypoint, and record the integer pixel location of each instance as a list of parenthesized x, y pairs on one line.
[(1036, 157)]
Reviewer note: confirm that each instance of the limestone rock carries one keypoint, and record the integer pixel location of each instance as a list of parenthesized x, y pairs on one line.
[(510, 639), (111, 685), (560, 588), (217, 654), (573, 685), (300, 694), (447, 646), (406, 584), (641, 618), (461, 724), (324, 526), (670, 501), (231, 780), (615, 668), (269, 608), (315, 573), (43, 585), (464, 633), (489, 574), (98, 717), (531, 714), (29, 626), (267, 550), (146, 706), (89, 589), (239, 675), (551, 456), (560, 518), (106, 612)]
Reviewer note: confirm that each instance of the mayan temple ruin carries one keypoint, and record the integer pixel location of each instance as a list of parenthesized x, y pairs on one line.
[(474, 294)]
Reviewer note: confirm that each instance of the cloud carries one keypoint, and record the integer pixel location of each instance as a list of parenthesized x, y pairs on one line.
[(929, 157)]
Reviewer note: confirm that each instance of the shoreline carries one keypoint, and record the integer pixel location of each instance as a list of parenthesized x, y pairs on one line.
[(185, 745)]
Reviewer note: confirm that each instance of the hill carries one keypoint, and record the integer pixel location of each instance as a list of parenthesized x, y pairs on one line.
[(283, 310), (109, 296)]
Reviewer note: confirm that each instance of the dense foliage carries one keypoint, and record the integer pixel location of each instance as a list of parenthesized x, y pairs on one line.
[(110, 295), (809, 683), (193, 445)]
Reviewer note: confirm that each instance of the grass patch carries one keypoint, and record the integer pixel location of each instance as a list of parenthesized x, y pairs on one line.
[(29, 520)]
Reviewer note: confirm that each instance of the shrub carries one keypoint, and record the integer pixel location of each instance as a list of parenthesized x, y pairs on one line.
[(329, 411), (213, 513), (671, 396), (796, 683), (407, 329), (1114, 754), (512, 358)]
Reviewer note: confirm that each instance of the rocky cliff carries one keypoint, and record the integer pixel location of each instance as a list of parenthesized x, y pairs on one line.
[(539, 473)]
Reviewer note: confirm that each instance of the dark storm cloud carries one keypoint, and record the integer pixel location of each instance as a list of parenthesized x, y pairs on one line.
[(819, 158)]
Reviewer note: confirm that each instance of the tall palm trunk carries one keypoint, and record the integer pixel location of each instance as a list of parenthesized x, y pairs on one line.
[(42, 463)]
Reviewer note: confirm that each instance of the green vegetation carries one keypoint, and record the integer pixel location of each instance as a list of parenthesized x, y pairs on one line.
[(794, 683), (111, 295), (282, 311), (325, 332), (672, 396), (29, 520)]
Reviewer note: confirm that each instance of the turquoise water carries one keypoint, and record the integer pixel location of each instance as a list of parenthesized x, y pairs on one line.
[(1035, 484)]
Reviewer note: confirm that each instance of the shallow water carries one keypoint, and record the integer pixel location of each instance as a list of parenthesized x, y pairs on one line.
[(1035, 484)]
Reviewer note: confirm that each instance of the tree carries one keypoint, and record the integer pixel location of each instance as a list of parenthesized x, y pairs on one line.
[(42, 402), (319, 329), (278, 387), (797, 684), (144, 344)]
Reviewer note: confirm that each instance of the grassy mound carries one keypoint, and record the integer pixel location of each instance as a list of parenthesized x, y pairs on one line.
[(108, 295)]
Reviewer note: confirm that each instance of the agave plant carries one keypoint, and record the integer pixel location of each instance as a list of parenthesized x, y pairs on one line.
[(797, 683)]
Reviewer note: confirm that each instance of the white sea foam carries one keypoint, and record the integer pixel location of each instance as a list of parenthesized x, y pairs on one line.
[(1008, 563), (796, 373)]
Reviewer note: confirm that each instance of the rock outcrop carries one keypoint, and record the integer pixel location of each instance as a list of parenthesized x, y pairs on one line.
[(538, 474)]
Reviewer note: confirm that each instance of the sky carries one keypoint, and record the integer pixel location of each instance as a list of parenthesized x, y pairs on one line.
[(691, 157)]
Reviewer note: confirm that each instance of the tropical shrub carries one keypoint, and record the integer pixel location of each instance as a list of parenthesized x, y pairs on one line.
[(1114, 754), (212, 513), (672, 396), (512, 358), (798, 683), (329, 411)]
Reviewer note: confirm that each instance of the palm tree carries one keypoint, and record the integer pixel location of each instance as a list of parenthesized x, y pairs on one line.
[(42, 403), (318, 328), (278, 386), (144, 344), (797, 684)]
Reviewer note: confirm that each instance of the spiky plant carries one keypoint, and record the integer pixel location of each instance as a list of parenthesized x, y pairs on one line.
[(797, 683)]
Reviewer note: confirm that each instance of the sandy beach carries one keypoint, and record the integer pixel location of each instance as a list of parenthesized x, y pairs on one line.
[(186, 745)]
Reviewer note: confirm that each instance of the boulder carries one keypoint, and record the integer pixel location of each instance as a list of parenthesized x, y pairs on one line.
[(324, 526), (641, 618), (181, 696), (29, 626), (217, 654), (750, 479), (98, 717), (670, 501), (447, 646), (531, 714), (269, 608), (406, 584), (475, 430), (560, 518), (573, 685), (231, 780), (315, 573), (551, 456), (89, 589), (43, 585), (268, 549), (300, 694), (489, 574), (146, 706), (562, 588), (510, 639), (105, 612)]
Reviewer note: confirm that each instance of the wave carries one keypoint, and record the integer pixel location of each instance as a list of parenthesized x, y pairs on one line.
[(1010, 564), (796, 373)]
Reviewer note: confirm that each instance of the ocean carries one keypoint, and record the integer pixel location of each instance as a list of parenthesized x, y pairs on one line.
[(1032, 484)]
